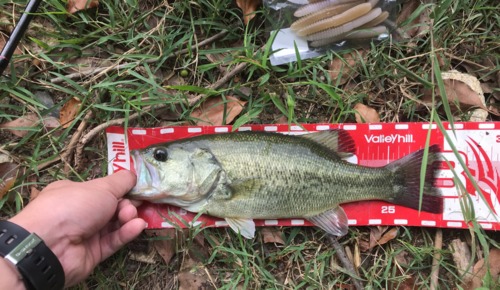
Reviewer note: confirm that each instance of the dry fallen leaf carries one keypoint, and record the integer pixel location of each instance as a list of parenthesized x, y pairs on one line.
[(3, 40), (87, 64), (165, 242), (68, 111), (193, 275), (8, 175), (420, 25), (27, 121), (345, 67), (403, 261), (77, 5), (463, 92), (248, 7), (272, 235), (211, 112), (221, 59), (19, 127), (365, 114), (379, 235), (494, 107), (144, 257), (391, 234), (402, 258), (375, 234), (34, 193), (480, 270)]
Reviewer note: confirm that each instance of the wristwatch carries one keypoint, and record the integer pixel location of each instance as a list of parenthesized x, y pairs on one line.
[(39, 267)]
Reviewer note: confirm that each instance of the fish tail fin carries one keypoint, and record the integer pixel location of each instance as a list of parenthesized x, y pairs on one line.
[(407, 181)]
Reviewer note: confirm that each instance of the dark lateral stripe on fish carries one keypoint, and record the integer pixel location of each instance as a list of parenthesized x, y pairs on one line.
[(407, 171)]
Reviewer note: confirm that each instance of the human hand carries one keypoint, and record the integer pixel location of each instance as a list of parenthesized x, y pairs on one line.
[(83, 223)]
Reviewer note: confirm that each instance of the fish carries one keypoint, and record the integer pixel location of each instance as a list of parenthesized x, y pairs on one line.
[(242, 176)]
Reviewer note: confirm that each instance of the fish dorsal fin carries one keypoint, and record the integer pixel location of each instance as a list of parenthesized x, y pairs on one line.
[(245, 227), (332, 221), (337, 140)]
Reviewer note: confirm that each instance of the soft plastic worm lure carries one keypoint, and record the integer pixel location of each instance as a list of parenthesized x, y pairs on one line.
[(381, 18), (337, 20), (304, 2), (322, 14), (366, 32), (356, 34), (332, 32), (317, 6), (329, 21)]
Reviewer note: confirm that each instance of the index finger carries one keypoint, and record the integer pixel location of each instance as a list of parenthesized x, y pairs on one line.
[(119, 183)]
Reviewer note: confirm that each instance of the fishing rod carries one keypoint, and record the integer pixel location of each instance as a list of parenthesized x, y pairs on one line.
[(17, 34)]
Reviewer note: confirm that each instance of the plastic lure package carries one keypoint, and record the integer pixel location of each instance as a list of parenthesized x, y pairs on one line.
[(308, 28)]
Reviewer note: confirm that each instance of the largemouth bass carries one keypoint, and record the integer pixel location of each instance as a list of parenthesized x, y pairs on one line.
[(258, 175)]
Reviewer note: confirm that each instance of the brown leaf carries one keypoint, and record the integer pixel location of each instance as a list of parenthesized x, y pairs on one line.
[(463, 92), (3, 40), (408, 283), (388, 236), (164, 242), (27, 121), (272, 235), (221, 59), (68, 111), (77, 5), (420, 25), (193, 275), (147, 257), (34, 192), (480, 270), (8, 175), (211, 112), (458, 91), (281, 120), (366, 114), (376, 234), (86, 64), (494, 107), (248, 7), (19, 126), (402, 258), (345, 66), (364, 245)]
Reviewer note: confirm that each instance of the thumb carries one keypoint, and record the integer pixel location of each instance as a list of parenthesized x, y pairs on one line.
[(118, 183)]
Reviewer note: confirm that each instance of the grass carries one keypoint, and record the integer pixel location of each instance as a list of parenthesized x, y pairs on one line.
[(138, 44)]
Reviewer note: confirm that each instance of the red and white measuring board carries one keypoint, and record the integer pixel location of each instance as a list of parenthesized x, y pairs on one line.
[(376, 145)]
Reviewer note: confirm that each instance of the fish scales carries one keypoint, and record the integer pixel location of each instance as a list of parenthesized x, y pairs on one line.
[(297, 176), (258, 175)]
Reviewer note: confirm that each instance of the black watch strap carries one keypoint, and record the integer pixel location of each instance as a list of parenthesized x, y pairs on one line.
[(38, 266)]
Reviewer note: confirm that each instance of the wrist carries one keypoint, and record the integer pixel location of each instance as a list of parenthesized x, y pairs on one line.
[(49, 231), (11, 278), (37, 264)]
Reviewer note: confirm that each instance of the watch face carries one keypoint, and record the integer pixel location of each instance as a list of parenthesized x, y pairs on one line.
[(23, 248)]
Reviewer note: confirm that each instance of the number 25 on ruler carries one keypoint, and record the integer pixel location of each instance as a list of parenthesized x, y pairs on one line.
[(388, 209)]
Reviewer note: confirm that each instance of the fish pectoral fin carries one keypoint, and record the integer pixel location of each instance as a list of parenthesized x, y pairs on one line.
[(337, 140), (332, 221), (245, 227)]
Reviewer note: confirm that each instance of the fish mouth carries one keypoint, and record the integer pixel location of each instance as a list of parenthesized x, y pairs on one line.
[(146, 187)]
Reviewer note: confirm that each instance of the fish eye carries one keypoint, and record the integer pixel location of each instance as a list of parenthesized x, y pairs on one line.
[(160, 154)]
